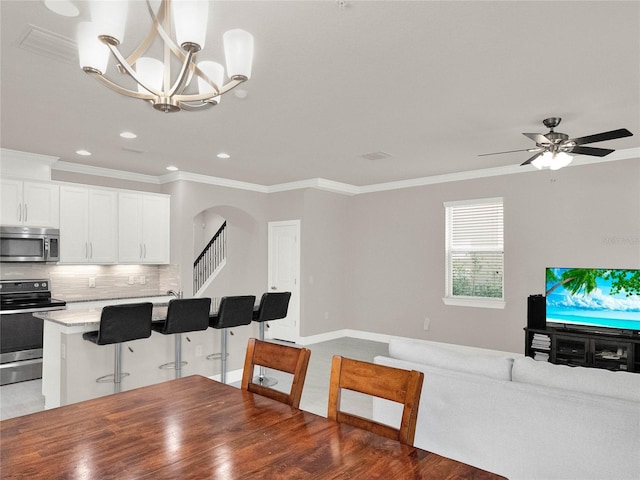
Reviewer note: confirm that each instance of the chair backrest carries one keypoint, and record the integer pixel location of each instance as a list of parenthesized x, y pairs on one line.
[(122, 323), (187, 315), (395, 384), (284, 358), (234, 311), (273, 306)]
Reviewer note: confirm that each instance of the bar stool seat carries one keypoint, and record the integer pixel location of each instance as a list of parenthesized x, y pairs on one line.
[(183, 315), (273, 306), (234, 311), (119, 324)]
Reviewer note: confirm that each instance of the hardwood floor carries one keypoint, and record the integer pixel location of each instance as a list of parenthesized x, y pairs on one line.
[(26, 397)]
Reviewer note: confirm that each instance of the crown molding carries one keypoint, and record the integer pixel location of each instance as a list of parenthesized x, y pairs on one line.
[(104, 172), (218, 181), (322, 183)]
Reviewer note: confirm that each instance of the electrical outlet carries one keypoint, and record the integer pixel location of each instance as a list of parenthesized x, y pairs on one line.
[(143, 280), (198, 350), (131, 280), (92, 282), (427, 321)]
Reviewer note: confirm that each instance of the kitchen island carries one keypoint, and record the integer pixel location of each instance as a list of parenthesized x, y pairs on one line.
[(71, 364)]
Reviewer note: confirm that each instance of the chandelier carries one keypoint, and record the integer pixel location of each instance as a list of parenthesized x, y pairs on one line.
[(102, 36)]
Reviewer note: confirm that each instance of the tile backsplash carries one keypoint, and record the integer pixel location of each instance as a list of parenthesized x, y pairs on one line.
[(97, 282)]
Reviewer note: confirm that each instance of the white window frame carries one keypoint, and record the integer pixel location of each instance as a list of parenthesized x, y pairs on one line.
[(468, 301)]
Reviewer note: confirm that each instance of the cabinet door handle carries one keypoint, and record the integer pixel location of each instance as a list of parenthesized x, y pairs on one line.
[(19, 212), (145, 250), (25, 212), (141, 251), (90, 250), (86, 250)]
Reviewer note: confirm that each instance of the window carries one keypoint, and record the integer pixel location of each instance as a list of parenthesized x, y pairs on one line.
[(475, 253)]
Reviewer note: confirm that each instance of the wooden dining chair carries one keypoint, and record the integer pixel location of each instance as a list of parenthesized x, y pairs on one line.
[(284, 358), (395, 384)]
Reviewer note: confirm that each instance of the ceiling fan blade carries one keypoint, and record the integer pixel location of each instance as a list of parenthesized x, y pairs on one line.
[(531, 159), (509, 151), (596, 152), (601, 137), (537, 137)]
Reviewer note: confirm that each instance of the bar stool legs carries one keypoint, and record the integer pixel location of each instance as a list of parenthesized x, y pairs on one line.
[(177, 364), (118, 374), (222, 355), (262, 378)]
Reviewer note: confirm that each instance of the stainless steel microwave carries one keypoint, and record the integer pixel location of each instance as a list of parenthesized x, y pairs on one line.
[(29, 244)]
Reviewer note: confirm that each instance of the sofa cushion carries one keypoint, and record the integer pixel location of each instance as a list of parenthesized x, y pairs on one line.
[(623, 385), (427, 354)]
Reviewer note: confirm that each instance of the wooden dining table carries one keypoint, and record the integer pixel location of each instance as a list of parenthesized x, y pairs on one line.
[(195, 427)]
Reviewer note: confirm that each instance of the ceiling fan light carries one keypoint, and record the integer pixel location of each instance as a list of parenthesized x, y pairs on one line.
[(190, 22), (560, 160), (543, 161), (537, 163), (238, 51), (110, 16), (92, 53), (150, 72), (215, 72)]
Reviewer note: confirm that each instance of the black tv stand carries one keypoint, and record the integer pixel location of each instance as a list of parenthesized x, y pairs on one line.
[(609, 350)]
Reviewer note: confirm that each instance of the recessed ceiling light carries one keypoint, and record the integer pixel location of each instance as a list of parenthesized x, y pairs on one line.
[(84, 153), (223, 155), (128, 135), (62, 7), (172, 168)]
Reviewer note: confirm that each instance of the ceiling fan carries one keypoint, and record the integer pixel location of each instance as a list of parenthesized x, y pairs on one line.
[(552, 149)]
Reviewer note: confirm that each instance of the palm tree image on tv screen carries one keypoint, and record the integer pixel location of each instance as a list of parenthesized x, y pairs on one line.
[(594, 297)]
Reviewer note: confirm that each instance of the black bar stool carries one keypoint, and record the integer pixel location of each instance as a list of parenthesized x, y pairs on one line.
[(273, 306), (118, 324), (233, 312), (183, 315)]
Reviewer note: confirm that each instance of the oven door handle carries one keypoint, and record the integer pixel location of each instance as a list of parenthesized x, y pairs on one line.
[(21, 363)]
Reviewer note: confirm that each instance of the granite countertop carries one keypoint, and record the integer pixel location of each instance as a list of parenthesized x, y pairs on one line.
[(91, 315)]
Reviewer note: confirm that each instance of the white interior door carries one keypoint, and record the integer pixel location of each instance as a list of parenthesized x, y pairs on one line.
[(284, 275)]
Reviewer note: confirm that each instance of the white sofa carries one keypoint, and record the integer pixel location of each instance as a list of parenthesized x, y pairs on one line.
[(520, 418)]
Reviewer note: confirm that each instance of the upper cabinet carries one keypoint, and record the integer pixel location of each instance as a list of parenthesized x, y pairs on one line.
[(88, 225), (143, 228), (29, 203)]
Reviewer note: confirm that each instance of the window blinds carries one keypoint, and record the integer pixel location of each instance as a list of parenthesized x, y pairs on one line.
[(475, 248)]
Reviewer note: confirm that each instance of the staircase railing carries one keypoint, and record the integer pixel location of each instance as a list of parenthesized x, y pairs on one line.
[(211, 257)]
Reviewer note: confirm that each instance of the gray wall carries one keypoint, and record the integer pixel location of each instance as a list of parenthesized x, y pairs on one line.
[(581, 216)]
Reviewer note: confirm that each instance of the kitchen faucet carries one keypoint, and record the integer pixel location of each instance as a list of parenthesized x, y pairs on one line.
[(177, 294)]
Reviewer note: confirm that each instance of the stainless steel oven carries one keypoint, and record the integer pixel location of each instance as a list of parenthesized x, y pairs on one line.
[(29, 244), (21, 332)]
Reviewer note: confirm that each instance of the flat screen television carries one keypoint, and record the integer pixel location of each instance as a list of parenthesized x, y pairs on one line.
[(594, 299)]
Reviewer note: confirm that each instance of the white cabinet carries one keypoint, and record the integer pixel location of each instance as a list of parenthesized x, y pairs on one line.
[(143, 228), (88, 225), (28, 203)]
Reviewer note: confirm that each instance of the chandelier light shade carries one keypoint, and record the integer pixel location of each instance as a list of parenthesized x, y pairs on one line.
[(190, 20), (150, 72), (181, 27), (215, 72), (110, 17), (92, 52), (238, 51)]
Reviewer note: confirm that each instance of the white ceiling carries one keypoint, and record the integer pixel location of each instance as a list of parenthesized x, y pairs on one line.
[(433, 83)]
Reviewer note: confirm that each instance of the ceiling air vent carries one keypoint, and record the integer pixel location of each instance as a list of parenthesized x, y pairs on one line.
[(48, 44), (133, 150), (376, 155)]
